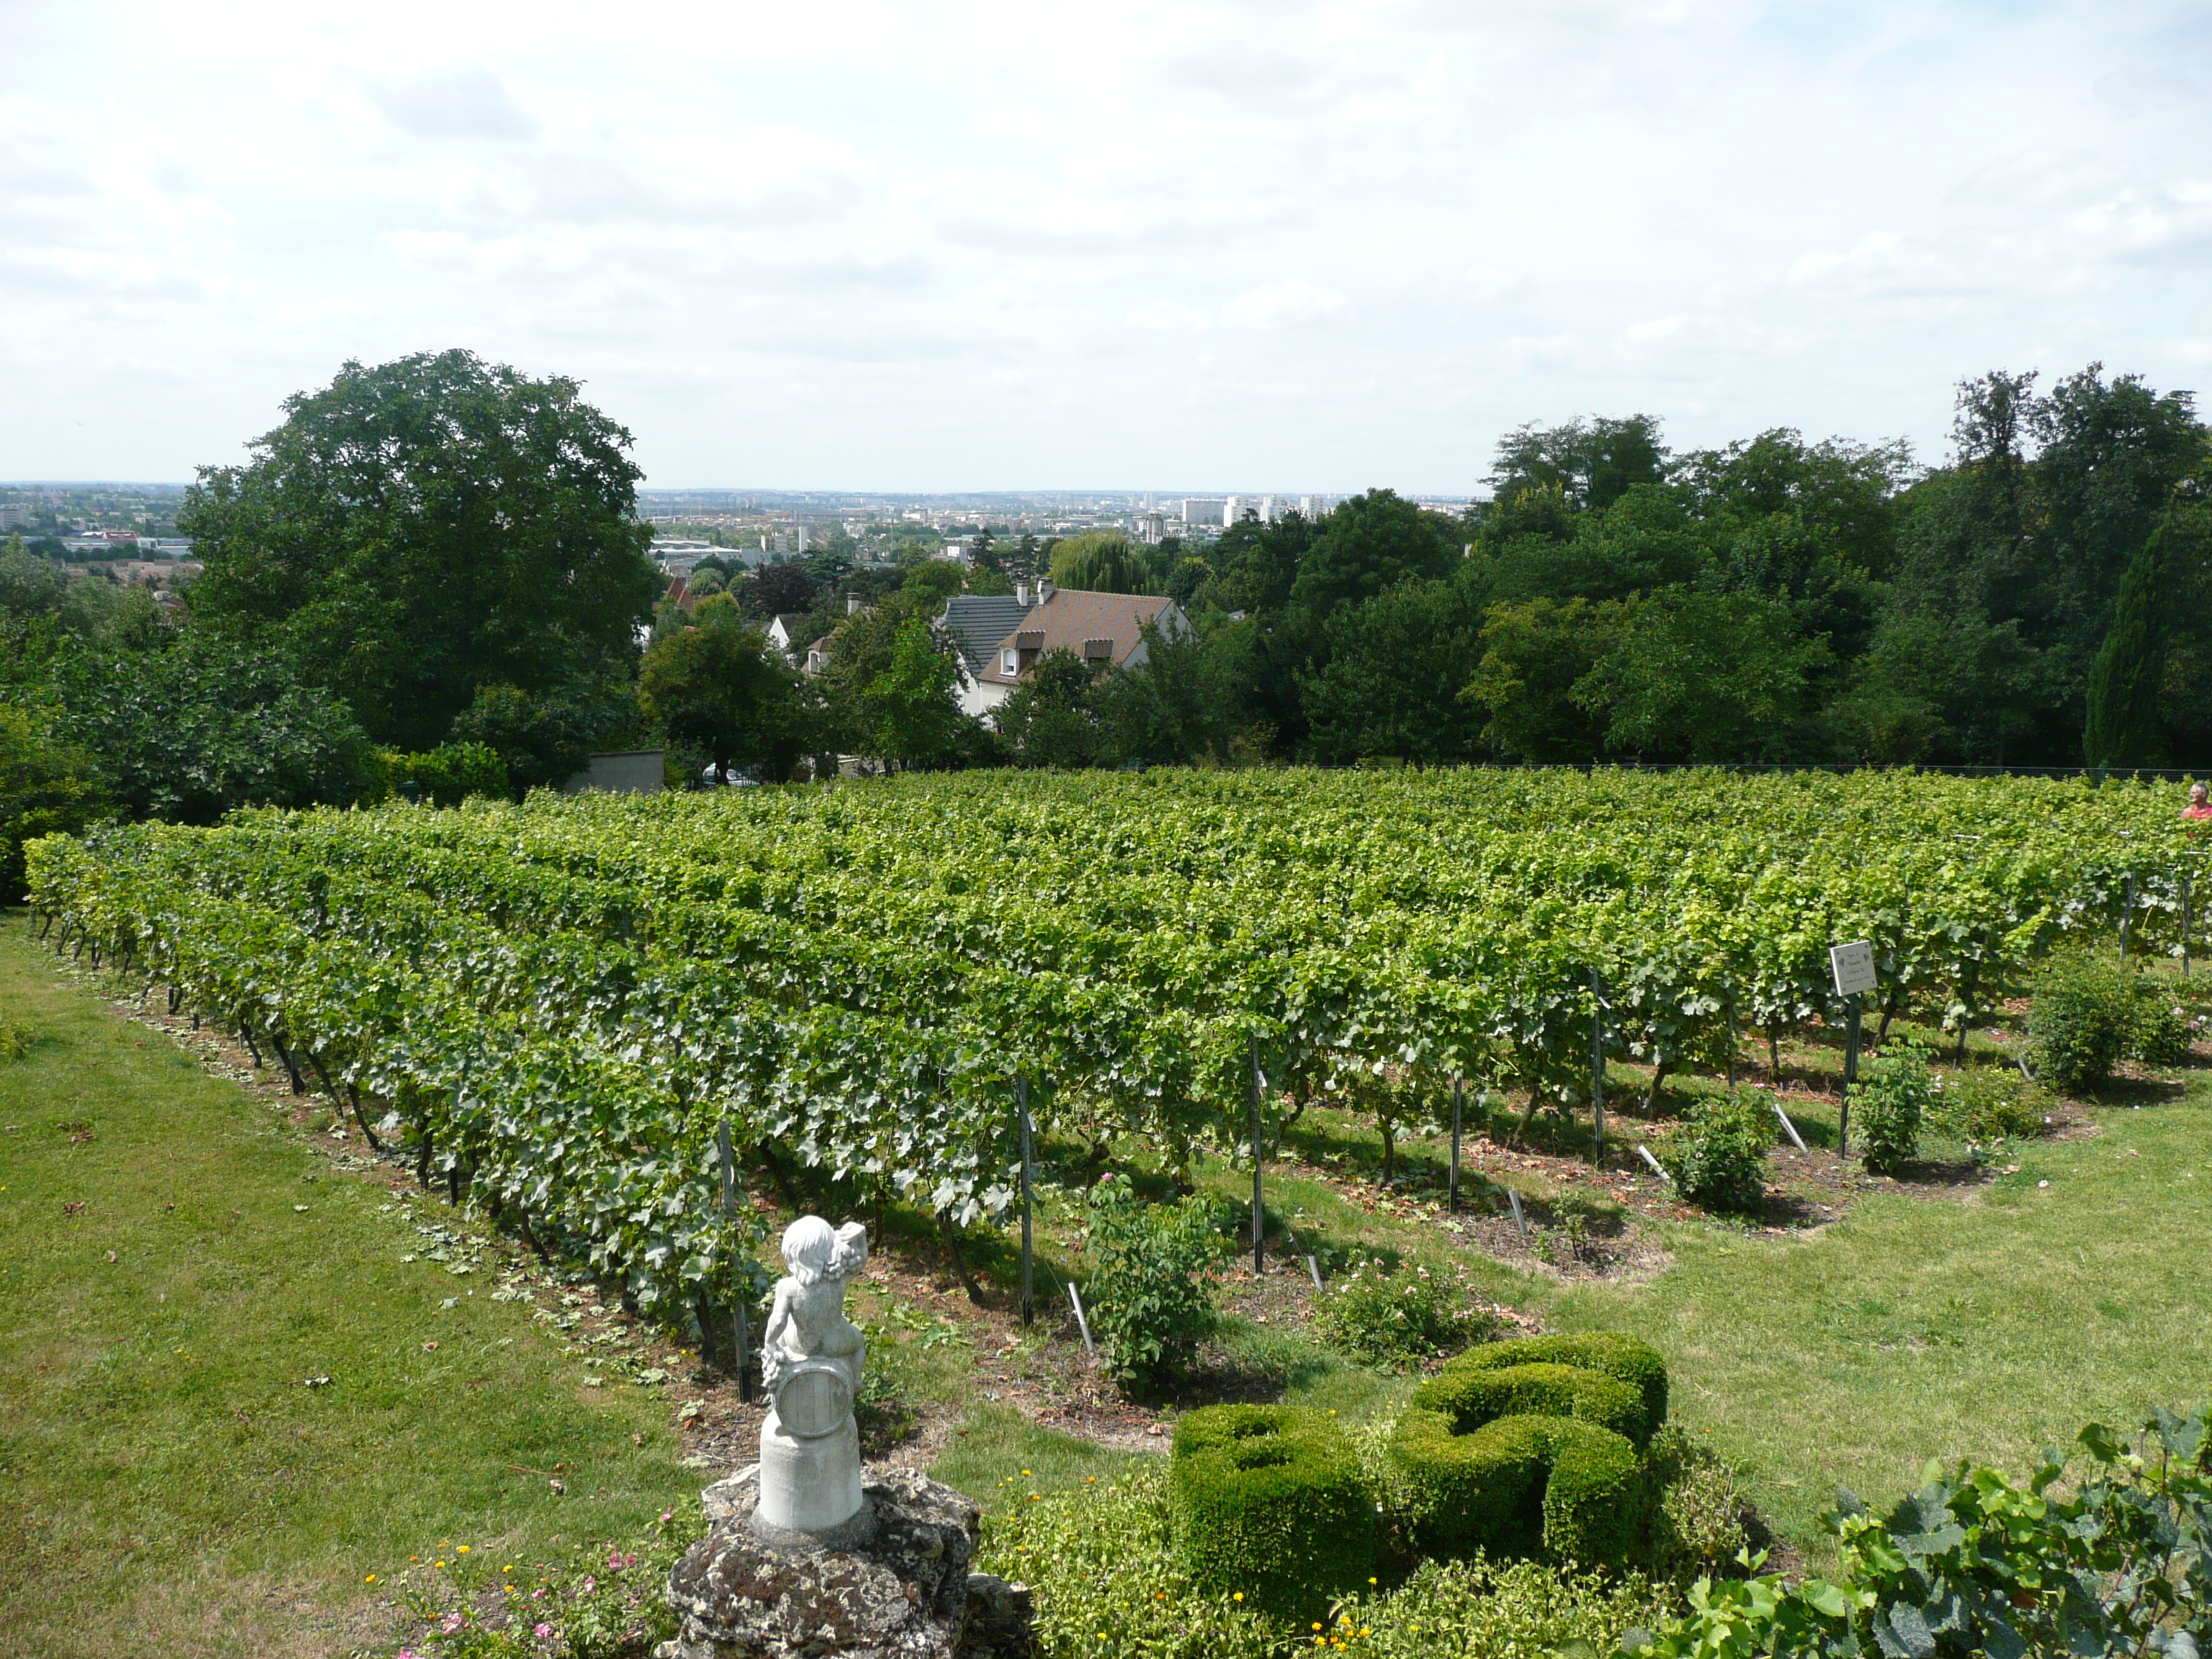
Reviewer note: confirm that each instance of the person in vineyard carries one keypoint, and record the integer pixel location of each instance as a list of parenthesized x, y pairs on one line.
[(2200, 804)]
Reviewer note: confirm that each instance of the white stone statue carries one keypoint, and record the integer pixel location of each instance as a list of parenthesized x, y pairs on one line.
[(810, 1361)]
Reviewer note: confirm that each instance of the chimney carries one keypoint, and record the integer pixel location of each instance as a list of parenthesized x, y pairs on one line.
[(852, 604), (1022, 595), (1045, 589)]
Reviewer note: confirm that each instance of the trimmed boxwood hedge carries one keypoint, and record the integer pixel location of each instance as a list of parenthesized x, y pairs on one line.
[(1270, 1500), (1608, 1354), (1533, 1447)]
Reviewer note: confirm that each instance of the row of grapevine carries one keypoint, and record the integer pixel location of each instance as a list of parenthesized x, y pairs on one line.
[(558, 1002)]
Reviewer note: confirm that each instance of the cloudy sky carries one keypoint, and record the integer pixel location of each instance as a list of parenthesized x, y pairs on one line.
[(1201, 245)]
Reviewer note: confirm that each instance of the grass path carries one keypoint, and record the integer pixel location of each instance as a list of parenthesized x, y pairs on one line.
[(174, 1261)]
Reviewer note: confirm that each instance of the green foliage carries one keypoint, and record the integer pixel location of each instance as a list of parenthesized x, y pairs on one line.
[(1985, 1103), (1892, 1098), (1099, 562), (1531, 1446), (610, 1604), (1518, 1486), (1106, 1580), (545, 737), (1269, 1500), (1508, 1609), (16, 1038), (418, 529), (2122, 724), (2089, 1012), (1635, 1365), (1051, 718), (719, 690), (1391, 682), (47, 786), (1369, 544), (444, 777), (1152, 1298), (191, 730), (1977, 1564), (1698, 1526), (1398, 1319), (1718, 1159)]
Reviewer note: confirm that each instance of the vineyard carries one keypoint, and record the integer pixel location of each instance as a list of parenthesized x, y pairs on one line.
[(557, 1007)]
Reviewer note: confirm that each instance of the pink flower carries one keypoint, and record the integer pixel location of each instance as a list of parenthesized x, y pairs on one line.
[(590, 1584), (542, 1632), (538, 1595), (452, 1623)]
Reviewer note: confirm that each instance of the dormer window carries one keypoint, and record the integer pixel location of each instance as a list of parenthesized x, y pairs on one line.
[(1010, 662)]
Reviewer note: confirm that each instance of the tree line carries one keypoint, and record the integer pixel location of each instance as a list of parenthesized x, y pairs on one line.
[(438, 556)]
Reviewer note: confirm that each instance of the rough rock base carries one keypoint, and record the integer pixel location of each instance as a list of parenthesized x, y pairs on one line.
[(901, 1592)]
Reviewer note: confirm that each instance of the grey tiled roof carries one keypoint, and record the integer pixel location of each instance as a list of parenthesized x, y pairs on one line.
[(976, 622)]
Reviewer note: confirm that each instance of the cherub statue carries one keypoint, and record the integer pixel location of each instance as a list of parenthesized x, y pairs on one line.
[(808, 1321)]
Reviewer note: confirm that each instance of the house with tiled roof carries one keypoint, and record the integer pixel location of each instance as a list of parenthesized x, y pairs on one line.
[(1105, 630)]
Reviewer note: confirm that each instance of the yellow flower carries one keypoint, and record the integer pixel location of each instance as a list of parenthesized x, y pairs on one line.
[(371, 1579), (1239, 1596), (1025, 1475), (465, 1549), (506, 1569)]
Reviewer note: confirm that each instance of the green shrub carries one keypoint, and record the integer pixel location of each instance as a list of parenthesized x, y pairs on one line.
[(1718, 1158), (1985, 1103), (1106, 1582), (1151, 1299), (2090, 1012), (1892, 1096), (1496, 1610), (444, 777), (1608, 1354), (47, 786), (1519, 1486), (1531, 1446), (1399, 1319), (1698, 1528), (1097, 1560), (1269, 1500)]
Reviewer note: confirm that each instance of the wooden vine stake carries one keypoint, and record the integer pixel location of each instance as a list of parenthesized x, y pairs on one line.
[(1597, 1065), (738, 1334), (1459, 1101)]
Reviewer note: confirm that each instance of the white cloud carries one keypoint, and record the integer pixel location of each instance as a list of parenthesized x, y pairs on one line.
[(773, 239), (465, 101), (1292, 303)]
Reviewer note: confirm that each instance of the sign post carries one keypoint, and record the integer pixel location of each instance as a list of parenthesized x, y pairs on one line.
[(1029, 1258), (1853, 967)]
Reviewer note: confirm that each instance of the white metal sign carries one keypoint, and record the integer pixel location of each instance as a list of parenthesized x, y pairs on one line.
[(1853, 967)]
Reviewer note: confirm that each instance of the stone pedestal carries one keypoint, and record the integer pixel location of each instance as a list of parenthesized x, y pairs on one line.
[(893, 1583), (810, 1454)]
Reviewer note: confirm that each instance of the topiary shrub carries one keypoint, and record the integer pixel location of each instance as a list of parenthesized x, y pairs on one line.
[(1608, 1354), (1718, 1158), (1893, 1094), (1269, 1500), (1532, 1447)]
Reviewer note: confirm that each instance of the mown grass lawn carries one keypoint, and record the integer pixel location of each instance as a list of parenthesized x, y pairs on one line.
[(175, 1261)]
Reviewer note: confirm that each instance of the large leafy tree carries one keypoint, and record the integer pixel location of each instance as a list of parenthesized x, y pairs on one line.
[(1368, 544), (1100, 561), (1391, 683), (417, 530), (720, 692)]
